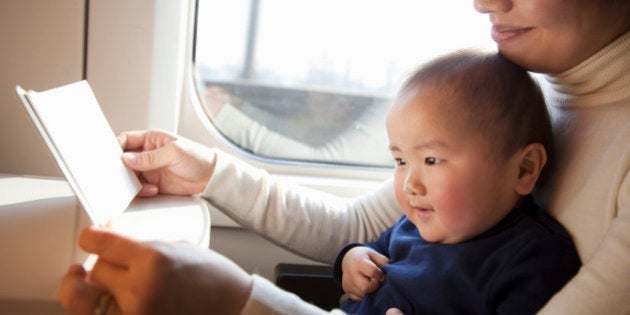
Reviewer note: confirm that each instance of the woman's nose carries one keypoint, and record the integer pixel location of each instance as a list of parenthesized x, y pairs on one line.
[(493, 6)]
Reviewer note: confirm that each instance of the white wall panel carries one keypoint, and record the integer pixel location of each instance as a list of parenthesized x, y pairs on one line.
[(42, 47)]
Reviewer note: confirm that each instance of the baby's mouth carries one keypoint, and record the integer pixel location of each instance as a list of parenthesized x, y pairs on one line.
[(422, 210)]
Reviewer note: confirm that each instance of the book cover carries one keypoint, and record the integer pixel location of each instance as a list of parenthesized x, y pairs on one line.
[(74, 128)]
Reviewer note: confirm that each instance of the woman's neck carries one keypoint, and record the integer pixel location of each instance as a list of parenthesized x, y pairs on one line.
[(602, 78)]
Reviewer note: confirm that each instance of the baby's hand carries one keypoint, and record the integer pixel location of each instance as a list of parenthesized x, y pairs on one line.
[(361, 271)]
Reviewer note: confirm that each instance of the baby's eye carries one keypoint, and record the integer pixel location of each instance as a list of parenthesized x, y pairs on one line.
[(432, 160), (400, 161)]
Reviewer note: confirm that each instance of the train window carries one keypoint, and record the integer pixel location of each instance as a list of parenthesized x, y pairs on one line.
[(311, 81)]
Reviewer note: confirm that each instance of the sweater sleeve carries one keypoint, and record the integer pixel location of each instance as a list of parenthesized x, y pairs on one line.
[(591, 108), (305, 221), (266, 299)]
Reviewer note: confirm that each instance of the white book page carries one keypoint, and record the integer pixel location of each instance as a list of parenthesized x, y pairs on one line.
[(85, 147)]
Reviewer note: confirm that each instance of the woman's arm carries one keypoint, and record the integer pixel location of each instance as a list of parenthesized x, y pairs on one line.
[(266, 298), (169, 278), (305, 221)]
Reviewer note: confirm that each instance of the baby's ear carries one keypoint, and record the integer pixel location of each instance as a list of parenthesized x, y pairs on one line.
[(532, 160)]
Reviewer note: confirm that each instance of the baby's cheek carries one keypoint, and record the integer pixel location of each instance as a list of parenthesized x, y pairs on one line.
[(452, 207)]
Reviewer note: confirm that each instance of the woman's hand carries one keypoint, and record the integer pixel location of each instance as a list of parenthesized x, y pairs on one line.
[(79, 295), (362, 272), (154, 278), (167, 163)]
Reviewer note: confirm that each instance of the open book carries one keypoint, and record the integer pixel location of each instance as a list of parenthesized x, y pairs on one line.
[(71, 122)]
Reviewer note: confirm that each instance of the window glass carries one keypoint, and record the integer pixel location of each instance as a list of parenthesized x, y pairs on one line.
[(311, 80)]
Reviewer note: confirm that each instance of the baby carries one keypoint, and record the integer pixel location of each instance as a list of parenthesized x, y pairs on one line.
[(470, 134)]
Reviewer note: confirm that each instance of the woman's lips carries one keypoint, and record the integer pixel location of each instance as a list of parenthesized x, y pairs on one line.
[(505, 33)]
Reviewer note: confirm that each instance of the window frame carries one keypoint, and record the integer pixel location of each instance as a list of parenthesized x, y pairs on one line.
[(194, 123)]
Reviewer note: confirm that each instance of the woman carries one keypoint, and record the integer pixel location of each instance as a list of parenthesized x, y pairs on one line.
[(584, 48)]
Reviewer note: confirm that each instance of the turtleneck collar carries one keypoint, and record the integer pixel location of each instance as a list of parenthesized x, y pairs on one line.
[(601, 79)]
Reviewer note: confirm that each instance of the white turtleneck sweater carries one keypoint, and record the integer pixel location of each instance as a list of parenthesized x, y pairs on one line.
[(590, 189), (589, 195)]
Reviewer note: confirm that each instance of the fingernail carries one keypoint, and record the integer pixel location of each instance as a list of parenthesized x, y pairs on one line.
[(130, 157), (152, 190)]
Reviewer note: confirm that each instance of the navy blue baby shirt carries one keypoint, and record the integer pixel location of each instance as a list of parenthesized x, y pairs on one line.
[(513, 268)]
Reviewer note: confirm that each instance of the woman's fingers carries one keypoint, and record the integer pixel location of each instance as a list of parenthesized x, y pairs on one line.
[(152, 159), (76, 295), (112, 277), (109, 246), (140, 139)]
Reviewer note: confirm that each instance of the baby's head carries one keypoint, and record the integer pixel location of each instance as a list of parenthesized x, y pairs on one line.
[(471, 134)]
